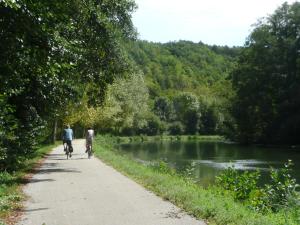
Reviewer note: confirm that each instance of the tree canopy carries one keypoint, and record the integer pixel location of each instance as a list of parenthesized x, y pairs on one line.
[(267, 80), (49, 51)]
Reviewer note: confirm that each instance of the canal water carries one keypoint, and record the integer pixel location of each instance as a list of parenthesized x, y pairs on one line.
[(206, 159)]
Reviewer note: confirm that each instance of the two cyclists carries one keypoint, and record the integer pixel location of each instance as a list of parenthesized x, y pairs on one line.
[(68, 137)]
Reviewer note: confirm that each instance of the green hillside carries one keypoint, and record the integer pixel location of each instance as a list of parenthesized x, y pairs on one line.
[(182, 66), (188, 84)]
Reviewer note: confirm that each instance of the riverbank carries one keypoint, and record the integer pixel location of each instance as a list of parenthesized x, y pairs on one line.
[(143, 138), (11, 183), (212, 204)]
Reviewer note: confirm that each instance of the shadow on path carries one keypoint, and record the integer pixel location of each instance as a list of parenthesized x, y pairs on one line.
[(57, 170), (39, 180), (34, 210)]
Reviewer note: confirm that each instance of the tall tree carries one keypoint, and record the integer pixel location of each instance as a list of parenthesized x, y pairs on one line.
[(186, 106), (163, 108), (267, 80), (126, 105)]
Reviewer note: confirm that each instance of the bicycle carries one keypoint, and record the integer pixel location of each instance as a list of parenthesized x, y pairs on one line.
[(68, 151), (89, 150)]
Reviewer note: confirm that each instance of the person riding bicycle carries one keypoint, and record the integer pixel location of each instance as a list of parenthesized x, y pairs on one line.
[(89, 137), (68, 137)]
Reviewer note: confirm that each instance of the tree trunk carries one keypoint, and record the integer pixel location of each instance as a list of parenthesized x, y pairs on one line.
[(54, 131)]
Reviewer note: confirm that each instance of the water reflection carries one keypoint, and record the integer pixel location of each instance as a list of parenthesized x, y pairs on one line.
[(210, 158)]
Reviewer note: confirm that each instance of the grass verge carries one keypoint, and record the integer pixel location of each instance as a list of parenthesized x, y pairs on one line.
[(143, 138), (11, 194), (212, 204)]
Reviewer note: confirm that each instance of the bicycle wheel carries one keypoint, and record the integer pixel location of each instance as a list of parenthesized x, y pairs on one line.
[(89, 151), (67, 151)]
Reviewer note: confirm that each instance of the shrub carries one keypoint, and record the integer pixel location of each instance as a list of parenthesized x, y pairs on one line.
[(280, 193), (163, 167), (154, 126), (176, 128), (282, 188), (241, 184)]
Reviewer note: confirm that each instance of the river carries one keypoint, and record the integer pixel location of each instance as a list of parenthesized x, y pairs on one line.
[(206, 159)]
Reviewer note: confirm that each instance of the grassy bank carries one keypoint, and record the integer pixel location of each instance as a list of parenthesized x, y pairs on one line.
[(11, 182), (212, 204), (143, 138)]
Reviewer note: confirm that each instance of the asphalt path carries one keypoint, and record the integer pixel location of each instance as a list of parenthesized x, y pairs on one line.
[(82, 191)]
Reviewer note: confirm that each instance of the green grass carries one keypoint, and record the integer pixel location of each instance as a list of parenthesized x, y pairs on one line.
[(10, 182), (212, 204), (143, 138)]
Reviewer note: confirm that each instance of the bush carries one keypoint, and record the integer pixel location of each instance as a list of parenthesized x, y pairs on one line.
[(280, 193), (128, 131), (154, 126), (163, 167), (176, 128), (241, 184), (282, 188), (18, 136)]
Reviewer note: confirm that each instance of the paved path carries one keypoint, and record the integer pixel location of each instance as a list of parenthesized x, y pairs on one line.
[(88, 192)]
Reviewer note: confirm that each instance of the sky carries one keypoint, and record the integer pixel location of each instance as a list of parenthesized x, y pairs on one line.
[(220, 22)]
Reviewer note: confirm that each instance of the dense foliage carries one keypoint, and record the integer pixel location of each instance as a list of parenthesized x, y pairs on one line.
[(171, 91), (240, 184), (188, 85), (180, 66), (267, 80), (49, 51), (280, 193)]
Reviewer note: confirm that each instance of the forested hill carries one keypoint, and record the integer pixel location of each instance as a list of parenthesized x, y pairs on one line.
[(183, 65)]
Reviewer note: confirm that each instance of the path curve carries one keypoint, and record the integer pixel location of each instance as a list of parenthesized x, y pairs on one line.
[(85, 191)]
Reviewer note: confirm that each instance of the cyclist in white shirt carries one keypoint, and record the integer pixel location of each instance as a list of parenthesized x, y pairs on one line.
[(89, 137)]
